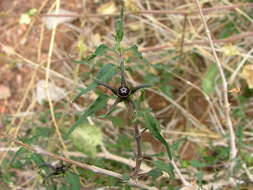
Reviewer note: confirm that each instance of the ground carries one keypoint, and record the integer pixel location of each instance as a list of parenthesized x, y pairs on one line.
[(200, 104)]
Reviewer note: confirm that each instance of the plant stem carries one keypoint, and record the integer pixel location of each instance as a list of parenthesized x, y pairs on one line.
[(139, 155), (122, 71), (137, 135)]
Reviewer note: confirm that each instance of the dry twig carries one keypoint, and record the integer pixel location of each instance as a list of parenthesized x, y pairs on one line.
[(233, 150), (85, 166), (167, 12), (50, 53), (200, 42)]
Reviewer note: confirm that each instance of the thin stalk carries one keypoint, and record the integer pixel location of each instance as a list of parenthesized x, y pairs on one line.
[(233, 150), (219, 9), (181, 51), (83, 165), (139, 155), (122, 71), (47, 76), (137, 135)]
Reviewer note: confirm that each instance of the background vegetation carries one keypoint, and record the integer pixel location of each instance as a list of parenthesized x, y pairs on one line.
[(196, 54)]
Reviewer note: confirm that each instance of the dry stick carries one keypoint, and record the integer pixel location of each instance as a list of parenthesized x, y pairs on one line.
[(185, 113), (194, 12), (226, 40), (52, 72), (181, 51), (207, 99), (177, 12), (50, 53), (33, 21), (233, 150), (240, 65), (182, 39), (245, 15), (188, 82), (92, 168), (200, 42)]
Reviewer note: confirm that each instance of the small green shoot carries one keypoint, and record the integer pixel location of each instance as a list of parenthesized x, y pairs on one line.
[(119, 30), (209, 81), (73, 180), (105, 74), (98, 104), (166, 167)]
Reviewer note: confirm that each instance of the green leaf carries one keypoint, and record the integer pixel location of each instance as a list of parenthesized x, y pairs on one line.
[(155, 173), (196, 164), (64, 187), (117, 121), (83, 91), (166, 167), (84, 62), (86, 138), (229, 29), (199, 176), (136, 52), (151, 78), (185, 163), (44, 132), (105, 74), (154, 128), (208, 83), (37, 158), (123, 141), (176, 144), (30, 140), (98, 104), (126, 177), (152, 124), (167, 90), (100, 51), (120, 27), (74, 181), (20, 151)]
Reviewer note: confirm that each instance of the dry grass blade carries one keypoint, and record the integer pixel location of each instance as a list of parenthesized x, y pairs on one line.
[(233, 151)]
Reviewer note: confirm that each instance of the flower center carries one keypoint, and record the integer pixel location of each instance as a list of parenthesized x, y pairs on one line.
[(123, 91)]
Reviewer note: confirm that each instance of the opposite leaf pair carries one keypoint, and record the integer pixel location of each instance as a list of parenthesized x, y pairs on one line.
[(123, 92)]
